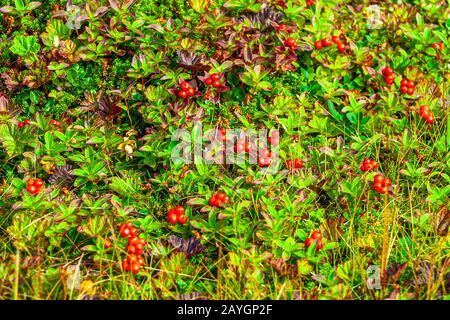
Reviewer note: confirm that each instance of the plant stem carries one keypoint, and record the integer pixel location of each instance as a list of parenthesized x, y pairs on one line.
[(16, 276)]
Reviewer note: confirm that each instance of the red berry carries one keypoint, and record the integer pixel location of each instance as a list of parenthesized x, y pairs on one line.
[(404, 89), (378, 178), (32, 189), (319, 245), (107, 244), (126, 265), (390, 78), (190, 92), (215, 77), (318, 45), (184, 85), (133, 240), (131, 249), (341, 47), (27, 121), (247, 147), (281, 27), (327, 42), (38, 183), (289, 42), (377, 186), (179, 210), (289, 164), (410, 84), (133, 231), (182, 218), (125, 232), (172, 218), (308, 242), (374, 164), (136, 241), (218, 203), (212, 201), (263, 162), (182, 94), (135, 268), (221, 196), (21, 125), (429, 118), (298, 163), (208, 81), (217, 84), (140, 261), (387, 71), (139, 249), (387, 182), (316, 235), (423, 109), (335, 39), (410, 90)]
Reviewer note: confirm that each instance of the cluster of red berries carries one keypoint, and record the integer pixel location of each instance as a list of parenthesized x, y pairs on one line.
[(24, 123), (55, 123), (294, 164), (426, 114), (274, 138), (266, 158), (316, 236), (438, 46), (214, 80), (309, 3), (388, 75), (185, 90), (407, 86), (219, 199), (34, 186), (136, 245), (133, 263), (177, 215), (127, 230), (291, 43), (135, 248), (381, 184), (368, 165), (326, 42), (242, 145)]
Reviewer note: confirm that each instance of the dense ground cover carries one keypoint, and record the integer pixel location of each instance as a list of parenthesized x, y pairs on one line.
[(348, 200)]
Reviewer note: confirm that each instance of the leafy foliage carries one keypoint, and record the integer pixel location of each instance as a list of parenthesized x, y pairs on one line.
[(110, 72)]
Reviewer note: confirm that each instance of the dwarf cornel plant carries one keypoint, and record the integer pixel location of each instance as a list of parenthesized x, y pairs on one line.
[(347, 196)]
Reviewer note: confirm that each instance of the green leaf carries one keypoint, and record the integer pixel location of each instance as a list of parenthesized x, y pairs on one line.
[(49, 143)]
